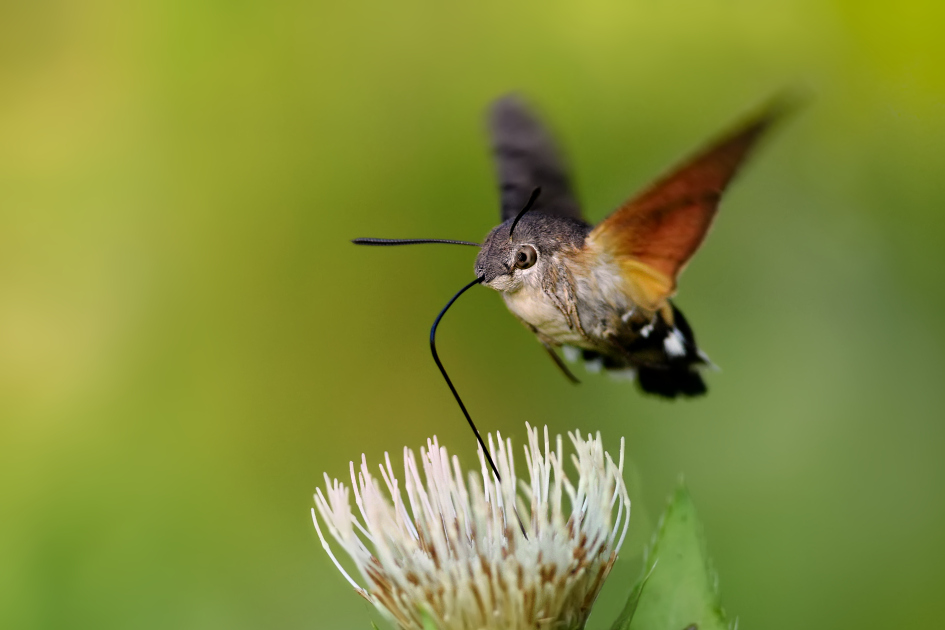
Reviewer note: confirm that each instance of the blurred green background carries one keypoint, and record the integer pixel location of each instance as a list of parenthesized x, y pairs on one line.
[(188, 340)]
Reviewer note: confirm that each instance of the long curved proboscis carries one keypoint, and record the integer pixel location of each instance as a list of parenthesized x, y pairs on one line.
[(436, 358), (409, 241)]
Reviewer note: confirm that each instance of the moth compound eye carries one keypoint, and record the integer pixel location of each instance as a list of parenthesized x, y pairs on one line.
[(525, 257)]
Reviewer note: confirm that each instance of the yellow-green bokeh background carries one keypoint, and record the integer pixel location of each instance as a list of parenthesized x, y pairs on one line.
[(187, 339)]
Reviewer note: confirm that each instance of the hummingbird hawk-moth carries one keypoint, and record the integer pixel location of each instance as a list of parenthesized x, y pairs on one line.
[(602, 292)]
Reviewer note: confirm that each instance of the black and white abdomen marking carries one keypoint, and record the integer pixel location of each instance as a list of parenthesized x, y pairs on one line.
[(663, 358)]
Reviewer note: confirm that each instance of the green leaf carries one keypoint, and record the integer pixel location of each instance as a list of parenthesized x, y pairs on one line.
[(678, 588)]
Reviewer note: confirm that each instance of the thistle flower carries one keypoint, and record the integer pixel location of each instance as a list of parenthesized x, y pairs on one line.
[(482, 554)]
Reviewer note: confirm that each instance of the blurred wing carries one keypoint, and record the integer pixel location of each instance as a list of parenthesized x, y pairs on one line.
[(655, 234), (527, 158)]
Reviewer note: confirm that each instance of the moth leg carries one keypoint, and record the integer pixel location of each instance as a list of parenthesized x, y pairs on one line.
[(568, 305), (573, 314), (563, 308), (547, 343), (561, 365)]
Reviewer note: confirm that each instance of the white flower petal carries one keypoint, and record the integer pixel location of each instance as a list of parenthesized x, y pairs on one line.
[(483, 554)]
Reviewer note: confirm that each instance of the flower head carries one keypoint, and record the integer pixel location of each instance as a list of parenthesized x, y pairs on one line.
[(483, 554)]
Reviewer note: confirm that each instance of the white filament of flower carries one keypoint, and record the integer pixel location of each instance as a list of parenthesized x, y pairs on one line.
[(454, 551)]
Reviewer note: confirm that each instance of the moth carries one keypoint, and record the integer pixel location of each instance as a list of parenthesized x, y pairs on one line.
[(603, 293)]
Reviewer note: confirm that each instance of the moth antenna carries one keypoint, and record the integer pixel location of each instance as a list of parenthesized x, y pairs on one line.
[(409, 241), (528, 206)]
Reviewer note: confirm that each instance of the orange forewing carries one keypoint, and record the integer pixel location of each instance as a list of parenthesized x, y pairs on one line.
[(655, 234)]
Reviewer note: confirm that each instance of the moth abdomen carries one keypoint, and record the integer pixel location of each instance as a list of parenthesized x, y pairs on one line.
[(672, 382), (677, 373), (661, 356)]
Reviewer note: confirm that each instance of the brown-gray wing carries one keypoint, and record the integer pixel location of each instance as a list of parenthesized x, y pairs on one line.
[(527, 158)]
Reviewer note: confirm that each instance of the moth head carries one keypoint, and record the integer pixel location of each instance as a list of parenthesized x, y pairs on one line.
[(510, 258)]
